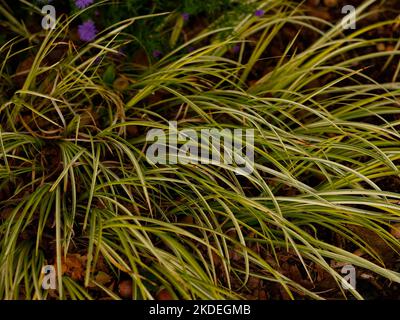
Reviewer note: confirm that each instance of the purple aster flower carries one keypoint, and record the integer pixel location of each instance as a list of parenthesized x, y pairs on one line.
[(185, 16), (83, 3), (87, 31), (236, 48), (157, 53), (259, 13), (190, 49)]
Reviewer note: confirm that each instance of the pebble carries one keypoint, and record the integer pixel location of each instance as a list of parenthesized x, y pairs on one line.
[(314, 3), (163, 294), (125, 289), (381, 46), (330, 3)]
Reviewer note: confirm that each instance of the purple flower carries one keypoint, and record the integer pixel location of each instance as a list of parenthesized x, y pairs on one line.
[(259, 13), (157, 53), (87, 31), (236, 48), (83, 3), (185, 16)]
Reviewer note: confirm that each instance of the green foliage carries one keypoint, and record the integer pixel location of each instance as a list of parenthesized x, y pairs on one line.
[(153, 34), (74, 178)]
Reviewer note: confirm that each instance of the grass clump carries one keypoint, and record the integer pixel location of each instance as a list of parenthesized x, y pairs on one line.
[(78, 192)]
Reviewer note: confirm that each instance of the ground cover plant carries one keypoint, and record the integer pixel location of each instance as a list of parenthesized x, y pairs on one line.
[(77, 192)]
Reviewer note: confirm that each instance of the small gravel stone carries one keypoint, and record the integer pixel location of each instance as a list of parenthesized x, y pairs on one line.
[(125, 289), (330, 3)]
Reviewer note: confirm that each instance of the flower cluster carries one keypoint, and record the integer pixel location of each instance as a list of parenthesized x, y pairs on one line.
[(185, 16), (87, 31), (81, 4), (259, 13)]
